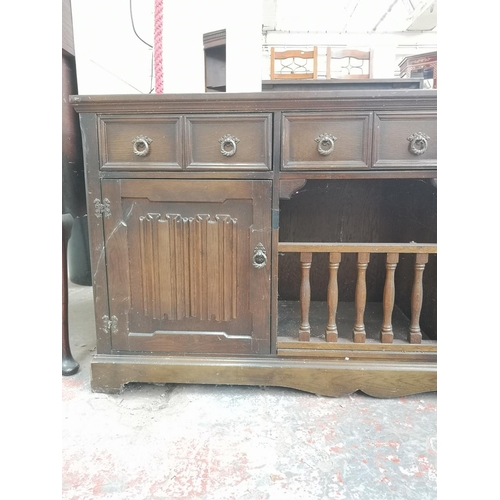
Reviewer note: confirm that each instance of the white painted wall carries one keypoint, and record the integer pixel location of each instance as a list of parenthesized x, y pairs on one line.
[(184, 24), (110, 58)]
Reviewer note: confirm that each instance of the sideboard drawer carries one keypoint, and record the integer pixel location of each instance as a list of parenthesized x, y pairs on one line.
[(228, 142), (405, 140), (326, 141), (142, 142)]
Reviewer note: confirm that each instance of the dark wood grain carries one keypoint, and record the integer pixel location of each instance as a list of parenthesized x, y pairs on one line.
[(253, 151), (386, 333), (178, 256), (331, 333), (352, 148), (390, 142), (342, 100), (90, 140), (117, 134), (324, 377), (359, 333), (177, 287)]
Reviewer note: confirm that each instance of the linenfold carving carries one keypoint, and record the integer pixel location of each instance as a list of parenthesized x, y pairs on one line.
[(188, 266)]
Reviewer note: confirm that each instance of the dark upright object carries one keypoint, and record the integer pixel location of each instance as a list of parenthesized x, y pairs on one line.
[(73, 186), (73, 181), (214, 47), (69, 365)]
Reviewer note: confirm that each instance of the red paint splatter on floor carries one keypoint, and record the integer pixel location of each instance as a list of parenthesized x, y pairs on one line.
[(98, 482), (203, 468), (337, 449), (70, 388), (72, 383), (390, 444), (136, 481)]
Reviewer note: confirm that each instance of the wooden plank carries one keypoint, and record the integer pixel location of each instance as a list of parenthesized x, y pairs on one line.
[(327, 100), (325, 377), (358, 247), (318, 344), (360, 355)]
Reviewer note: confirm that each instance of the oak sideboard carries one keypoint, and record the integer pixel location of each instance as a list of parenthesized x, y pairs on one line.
[(272, 238)]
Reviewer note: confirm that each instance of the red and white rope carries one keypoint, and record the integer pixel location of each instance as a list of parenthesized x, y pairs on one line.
[(158, 47)]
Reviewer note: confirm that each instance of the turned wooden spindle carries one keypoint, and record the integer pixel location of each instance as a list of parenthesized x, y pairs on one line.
[(386, 333), (305, 297), (331, 334), (415, 335), (359, 333)]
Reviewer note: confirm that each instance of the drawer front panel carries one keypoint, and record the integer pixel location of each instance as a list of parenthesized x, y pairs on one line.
[(228, 142), (326, 141), (140, 142), (404, 140)]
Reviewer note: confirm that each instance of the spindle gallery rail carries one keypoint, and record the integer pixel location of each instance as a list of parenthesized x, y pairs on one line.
[(363, 250)]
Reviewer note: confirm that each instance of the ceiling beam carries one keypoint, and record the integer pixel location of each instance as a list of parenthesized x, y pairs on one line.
[(427, 20)]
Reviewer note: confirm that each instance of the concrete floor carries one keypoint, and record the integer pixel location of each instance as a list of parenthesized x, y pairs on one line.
[(175, 441)]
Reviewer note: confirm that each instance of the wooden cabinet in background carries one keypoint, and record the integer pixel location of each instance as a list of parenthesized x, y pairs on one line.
[(420, 66), (214, 48)]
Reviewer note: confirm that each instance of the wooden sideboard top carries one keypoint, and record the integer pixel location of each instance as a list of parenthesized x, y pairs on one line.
[(404, 99)]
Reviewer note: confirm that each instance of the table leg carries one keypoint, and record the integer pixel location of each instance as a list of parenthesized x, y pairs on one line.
[(69, 365)]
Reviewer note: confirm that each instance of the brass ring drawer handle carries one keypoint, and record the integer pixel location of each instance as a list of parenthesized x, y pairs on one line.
[(141, 145), (259, 256), (326, 144), (228, 145), (418, 143)]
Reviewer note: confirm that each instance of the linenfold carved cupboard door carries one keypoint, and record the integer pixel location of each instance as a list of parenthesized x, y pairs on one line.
[(187, 265)]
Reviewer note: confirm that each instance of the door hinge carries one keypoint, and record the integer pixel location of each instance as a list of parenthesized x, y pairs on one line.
[(110, 325), (102, 208)]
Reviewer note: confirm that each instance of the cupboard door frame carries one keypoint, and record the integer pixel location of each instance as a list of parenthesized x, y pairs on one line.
[(170, 207)]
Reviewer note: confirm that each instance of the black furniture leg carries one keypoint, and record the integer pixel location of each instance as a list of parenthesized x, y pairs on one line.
[(69, 365)]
